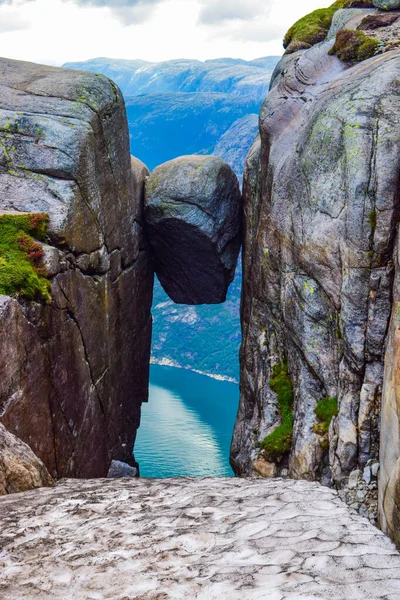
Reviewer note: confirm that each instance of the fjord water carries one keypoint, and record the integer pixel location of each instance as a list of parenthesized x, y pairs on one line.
[(186, 427)]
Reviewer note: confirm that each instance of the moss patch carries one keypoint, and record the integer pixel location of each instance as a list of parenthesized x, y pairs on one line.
[(326, 409), (279, 441), (354, 45), (372, 219), (314, 27), (21, 270)]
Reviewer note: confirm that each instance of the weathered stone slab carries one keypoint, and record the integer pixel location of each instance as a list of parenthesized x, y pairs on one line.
[(242, 539)]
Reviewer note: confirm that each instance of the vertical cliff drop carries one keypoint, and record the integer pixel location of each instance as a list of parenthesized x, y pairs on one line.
[(74, 371), (321, 205)]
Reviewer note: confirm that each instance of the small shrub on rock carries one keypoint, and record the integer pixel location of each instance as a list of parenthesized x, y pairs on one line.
[(326, 409), (279, 441), (354, 45), (314, 27)]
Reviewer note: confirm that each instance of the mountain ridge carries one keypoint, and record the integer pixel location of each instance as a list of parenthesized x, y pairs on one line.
[(228, 75)]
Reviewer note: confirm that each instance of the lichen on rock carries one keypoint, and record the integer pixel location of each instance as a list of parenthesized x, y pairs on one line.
[(279, 442), (326, 409)]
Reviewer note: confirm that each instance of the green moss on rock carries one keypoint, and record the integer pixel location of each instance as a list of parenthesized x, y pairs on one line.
[(354, 45), (326, 409), (313, 28), (279, 441), (372, 219), (21, 270)]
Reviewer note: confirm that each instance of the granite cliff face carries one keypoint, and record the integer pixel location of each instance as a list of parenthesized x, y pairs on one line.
[(74, 372), (321, 207)]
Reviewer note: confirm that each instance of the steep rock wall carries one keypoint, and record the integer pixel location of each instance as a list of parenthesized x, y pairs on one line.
[(75, 372), (321, 202), (389, 480)]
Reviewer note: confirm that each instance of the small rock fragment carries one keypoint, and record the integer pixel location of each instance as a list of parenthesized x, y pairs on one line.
[(51, 260), (120, 469), (367, 475), (375, 469), (387, 4), (353, 479)]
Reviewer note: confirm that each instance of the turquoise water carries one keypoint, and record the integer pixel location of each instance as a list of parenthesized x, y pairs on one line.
[(187, 426)]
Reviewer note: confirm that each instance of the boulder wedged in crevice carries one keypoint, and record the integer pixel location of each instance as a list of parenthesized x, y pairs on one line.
[(193, 218)]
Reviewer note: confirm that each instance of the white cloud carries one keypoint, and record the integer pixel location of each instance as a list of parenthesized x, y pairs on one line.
[(215, 12), (12, 21), (154, 30), (129, 12)]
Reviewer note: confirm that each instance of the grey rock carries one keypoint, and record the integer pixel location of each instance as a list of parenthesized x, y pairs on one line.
[(81, 361), (367, 475), (51, 260), (353, 479), (83, 262), (389, 475), (193, 216), (345, 18), (20, 468), (120, 469), (375, 469), (319, 230), (387, 4)]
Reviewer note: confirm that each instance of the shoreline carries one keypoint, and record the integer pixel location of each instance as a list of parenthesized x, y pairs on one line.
[(167, 362)]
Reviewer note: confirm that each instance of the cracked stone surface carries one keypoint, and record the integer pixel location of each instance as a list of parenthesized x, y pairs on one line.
[(207, 539), (81, 361)]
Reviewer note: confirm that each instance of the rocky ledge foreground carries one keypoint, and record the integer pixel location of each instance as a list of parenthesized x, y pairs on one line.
[(241, 539)]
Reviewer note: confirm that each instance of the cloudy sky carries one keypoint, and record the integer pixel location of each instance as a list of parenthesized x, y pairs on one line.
[(56, 31)]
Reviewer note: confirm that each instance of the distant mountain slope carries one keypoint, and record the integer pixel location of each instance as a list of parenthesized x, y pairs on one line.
[(164, 126), (204, 338), (235, 143), (184, 107), (225, 75)]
